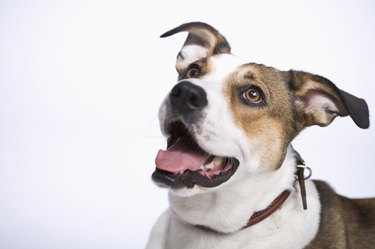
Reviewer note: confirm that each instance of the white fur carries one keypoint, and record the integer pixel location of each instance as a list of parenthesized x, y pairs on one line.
[(189, 54), (290, 227), (228, 207), (193, 52)]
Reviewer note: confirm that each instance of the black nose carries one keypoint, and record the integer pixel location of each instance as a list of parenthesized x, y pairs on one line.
[(186, 97)]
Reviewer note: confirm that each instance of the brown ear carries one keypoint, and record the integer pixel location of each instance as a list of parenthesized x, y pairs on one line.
[(319, 101), (202, 41)]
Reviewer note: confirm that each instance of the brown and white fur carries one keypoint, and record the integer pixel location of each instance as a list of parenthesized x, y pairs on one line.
[(257, 132)]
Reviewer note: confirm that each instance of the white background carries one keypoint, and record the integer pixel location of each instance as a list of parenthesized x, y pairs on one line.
[(80, 86)]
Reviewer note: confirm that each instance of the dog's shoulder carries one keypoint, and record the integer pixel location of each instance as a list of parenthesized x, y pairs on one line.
[(344, 222), (157, 239), (360, 221)]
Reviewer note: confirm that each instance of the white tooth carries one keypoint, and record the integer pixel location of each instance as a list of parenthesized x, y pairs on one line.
[(209, 166), (217, 161), (202, 167), (181, 172)]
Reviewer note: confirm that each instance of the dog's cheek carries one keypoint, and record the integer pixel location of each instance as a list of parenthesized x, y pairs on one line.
[(267, 139), (264, 134)]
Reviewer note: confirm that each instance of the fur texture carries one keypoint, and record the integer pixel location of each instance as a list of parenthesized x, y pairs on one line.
[(253, 113)]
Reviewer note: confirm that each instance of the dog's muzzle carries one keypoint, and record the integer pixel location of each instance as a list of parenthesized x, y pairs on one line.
[(185, 163), (187, 98)]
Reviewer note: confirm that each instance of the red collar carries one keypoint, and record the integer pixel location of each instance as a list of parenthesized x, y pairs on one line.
[(262, 214), (279, 200)]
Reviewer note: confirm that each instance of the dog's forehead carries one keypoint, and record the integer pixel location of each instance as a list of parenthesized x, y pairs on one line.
[(229, 69), (223, 65), (269, 77)]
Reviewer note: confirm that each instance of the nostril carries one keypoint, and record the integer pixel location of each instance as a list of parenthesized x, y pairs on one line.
[(195, 101), (175, 95), (186, 96)]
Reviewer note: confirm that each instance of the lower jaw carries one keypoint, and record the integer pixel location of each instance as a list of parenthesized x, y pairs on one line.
[(189, 179)]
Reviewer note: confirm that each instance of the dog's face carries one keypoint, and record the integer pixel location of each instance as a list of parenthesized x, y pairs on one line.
[(226, 119)]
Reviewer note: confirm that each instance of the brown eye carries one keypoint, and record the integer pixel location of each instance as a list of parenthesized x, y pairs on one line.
[(252, 96), (193, 72)]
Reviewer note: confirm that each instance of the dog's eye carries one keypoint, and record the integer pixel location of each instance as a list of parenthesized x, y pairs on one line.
[(252, 96), (193, 72)]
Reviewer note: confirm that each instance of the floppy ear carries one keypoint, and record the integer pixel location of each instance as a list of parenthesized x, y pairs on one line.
[(319, 101), (202, 41)]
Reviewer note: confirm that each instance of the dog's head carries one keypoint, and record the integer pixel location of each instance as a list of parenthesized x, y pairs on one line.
[(226, 118)]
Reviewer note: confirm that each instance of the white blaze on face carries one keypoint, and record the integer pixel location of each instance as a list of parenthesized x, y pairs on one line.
[(219, 134), (222, 66)]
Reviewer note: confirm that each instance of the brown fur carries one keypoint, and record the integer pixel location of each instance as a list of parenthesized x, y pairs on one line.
[(203, 65), (203, 35), (345, 223), (293, 101), (276, 115)]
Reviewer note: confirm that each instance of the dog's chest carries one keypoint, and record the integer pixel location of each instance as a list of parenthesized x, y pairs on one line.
[(271, 234), (185, 236)]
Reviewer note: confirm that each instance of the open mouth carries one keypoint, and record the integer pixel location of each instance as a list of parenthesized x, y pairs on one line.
[(185, 163)]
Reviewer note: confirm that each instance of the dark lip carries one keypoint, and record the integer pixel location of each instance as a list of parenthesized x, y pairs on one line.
[(189, 178), (178, 128)]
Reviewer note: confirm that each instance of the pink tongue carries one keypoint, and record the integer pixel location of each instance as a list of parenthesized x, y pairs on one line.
[(183, 155)]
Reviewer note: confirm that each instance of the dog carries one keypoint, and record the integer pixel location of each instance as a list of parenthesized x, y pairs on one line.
[(234, 179)]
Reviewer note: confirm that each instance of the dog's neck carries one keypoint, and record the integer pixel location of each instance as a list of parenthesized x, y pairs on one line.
[(235, 203)]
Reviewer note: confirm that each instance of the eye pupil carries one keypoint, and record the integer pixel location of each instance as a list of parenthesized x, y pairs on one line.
[(193, 72), (253, 96)]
